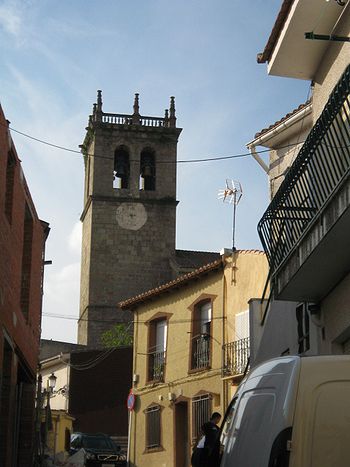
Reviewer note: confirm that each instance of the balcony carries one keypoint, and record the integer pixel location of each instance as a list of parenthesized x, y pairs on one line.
[(201, 352), (304, 231), (156, 366), (235, 357)]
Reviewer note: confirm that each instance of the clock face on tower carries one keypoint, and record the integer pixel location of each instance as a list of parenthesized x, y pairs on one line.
[(131, 216)]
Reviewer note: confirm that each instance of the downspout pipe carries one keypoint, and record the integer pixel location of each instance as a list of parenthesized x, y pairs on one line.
[(258, 159), (264, 138)]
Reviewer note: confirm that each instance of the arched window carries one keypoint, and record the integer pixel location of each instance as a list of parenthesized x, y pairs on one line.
[(157, 349), (147, 170), (121, 171), (201, 333)]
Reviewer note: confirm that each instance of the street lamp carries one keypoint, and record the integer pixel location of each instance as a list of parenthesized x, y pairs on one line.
[(52, 382)]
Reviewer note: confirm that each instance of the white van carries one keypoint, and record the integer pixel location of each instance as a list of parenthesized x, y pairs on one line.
[(290, 412)]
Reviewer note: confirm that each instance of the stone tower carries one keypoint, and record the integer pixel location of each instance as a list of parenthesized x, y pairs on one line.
[(129, 215)]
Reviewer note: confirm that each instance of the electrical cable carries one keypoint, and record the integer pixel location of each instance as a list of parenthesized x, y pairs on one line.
[(178, 321), (182, 161), (91, 363)]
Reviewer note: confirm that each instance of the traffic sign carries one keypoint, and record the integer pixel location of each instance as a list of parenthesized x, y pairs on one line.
[(131, 400)]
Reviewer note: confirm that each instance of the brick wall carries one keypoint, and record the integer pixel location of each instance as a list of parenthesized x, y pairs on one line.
[(22, 240)]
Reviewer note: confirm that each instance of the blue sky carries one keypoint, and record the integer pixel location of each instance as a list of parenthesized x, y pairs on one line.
[(55, 55)]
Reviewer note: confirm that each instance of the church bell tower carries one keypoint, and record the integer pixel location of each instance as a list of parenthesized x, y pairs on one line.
[(129, 215)]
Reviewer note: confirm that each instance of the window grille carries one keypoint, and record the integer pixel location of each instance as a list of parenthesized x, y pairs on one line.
[(156, 366), (152, 426), (200, 352), (201, 411)]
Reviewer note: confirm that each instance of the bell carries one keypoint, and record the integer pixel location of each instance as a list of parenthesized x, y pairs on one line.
[(147, 171), (120, 170)]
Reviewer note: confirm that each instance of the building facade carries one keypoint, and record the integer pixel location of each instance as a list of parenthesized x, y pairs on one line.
[(22, 243), (191, 348), (90, 393), (305, 229), (129, 215)]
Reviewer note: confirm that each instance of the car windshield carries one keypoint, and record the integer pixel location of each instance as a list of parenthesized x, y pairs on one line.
[(95, 442)]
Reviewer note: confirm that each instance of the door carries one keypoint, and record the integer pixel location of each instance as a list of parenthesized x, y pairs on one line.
[(182, 446)]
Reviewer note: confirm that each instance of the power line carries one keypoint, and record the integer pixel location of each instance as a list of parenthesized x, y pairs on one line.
[(181, 161), (118, 321), (90, 363)]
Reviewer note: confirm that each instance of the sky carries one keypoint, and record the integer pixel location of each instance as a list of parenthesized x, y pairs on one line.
[(56, 55)]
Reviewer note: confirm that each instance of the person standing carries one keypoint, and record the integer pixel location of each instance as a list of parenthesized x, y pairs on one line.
[(206, 453)]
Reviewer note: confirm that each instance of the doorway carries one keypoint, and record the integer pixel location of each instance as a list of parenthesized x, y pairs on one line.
[(182, 445)]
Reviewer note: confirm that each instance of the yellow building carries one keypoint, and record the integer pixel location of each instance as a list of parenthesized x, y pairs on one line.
[(58, 438), (191, 347)]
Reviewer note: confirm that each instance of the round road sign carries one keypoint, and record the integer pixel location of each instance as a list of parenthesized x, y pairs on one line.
[(131, 400)]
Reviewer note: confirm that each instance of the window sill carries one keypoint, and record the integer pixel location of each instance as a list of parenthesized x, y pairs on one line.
[(199, 370), (155, 449), (154, 381)]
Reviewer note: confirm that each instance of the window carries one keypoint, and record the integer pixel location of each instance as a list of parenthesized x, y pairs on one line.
[(152, 426), (157, 350), (242, 325), (10, 174), (121, 171), (26, 260), (147, 170), (201, 332), (201, 412)]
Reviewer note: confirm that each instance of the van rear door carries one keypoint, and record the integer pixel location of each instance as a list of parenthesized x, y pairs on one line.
[(261, 424), (321, 434)]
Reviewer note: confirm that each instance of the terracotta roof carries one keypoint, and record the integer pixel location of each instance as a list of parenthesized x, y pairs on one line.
[(182, 280), (254, 252), (281, 120), (276, 30)]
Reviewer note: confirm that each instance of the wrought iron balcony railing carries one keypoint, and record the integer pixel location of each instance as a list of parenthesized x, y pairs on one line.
[(201, 352), (156, 366), (319, 169), (235, 357)]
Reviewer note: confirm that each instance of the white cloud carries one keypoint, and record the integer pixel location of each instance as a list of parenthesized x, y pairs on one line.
[(10, 19), (74, 240), (61, 286), (61, 297)]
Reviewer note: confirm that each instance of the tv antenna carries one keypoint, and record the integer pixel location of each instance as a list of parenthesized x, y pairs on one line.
[(232, 194)]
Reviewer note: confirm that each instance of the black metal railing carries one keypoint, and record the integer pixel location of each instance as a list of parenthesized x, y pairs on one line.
[(201, 352), (156, 366), (319, 169), (152, 427), (201, 412), (235, 357)]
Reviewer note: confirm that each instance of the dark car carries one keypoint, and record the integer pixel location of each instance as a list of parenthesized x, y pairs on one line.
[(101, 451)]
